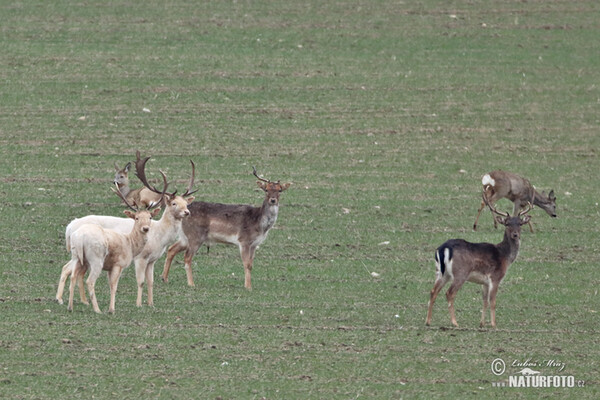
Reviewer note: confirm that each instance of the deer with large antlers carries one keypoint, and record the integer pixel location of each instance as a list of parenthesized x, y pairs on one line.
[(502, 184), (142, 197), (459, 261), (96, 249), (245, 226), (162, 234)]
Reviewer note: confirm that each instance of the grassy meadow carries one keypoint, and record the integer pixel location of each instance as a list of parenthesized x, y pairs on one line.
[(383, 115)]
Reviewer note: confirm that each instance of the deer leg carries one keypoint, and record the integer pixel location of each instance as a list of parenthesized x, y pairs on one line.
[(74, 273), (150, 283), (171, 253), (67, 269), (478, 214), (486, 302), (493, 292), (437, 287), (91, 283), (140, 272), (247, 259), (450, 295), (113, 276), (81, 287)]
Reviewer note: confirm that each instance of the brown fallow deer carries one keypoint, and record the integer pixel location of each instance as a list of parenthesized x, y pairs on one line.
[(501, 184), (96, 249), (142, 197), (243, 225), (162, 234), (458, 261)]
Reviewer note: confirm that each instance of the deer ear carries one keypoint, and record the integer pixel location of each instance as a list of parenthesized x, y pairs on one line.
[(500, 220), (261, 185), (117, 167), (127, 167), (526, 219), (129, 214), (551, 195), (155, 212), (190, 199), (285, 186)]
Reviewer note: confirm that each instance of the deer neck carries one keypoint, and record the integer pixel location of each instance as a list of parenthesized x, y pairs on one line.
[(137, 241), (124, 188), (168, 226), (268, 214), (509, 248)]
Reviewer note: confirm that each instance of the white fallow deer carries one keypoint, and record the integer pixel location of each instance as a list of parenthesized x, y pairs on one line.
[(459, 261), (500, 184), (96, 249), (245, 226), (162, 234), (142, 197)]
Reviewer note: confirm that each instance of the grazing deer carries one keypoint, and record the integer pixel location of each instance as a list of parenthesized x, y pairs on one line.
[(97, 249), (458, 261), (501, 184), (243, 225), (142, 197), (162, 234)]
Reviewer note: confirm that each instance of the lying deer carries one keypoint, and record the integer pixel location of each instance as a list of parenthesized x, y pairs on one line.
[(142, 197), (242, 225), (95, 249), (458, 261), (501, 184), (162, 234)]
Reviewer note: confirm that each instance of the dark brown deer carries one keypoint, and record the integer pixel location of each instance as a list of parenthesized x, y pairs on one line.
[(501, 184), (243, 225), (459, 261)]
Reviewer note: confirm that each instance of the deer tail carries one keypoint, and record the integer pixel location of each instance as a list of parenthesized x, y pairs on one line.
[(443, 257)]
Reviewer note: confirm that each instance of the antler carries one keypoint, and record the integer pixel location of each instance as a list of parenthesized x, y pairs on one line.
[(529, 208), (256, 175), (118, 192), (189, 191), (492, 208), (140, 167)]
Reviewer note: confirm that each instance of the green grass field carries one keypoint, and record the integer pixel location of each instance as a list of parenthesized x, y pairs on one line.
[(384, 115)]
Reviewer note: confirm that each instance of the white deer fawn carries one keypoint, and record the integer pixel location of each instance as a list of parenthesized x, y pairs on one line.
[(243, 225), (96, 249), (459, 261), (162, 234), (142, 197), (501, 184)]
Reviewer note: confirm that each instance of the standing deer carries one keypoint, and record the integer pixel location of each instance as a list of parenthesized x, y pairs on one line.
[(142, 197), (166, 231), (458, 261), (243, 225), (501, 184), (97, 249), (162, 234)]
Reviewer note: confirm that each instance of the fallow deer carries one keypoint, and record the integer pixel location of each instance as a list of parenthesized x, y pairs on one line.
[(162, 234), (501, 184), (243, 225), (142, 197), (459, 261), (96, 249)]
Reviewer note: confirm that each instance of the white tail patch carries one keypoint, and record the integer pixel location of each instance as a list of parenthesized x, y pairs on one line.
[(488, 180)]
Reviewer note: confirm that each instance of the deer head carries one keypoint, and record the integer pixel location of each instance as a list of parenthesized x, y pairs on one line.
[(121, 175), (272, 189), (513, 224)]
